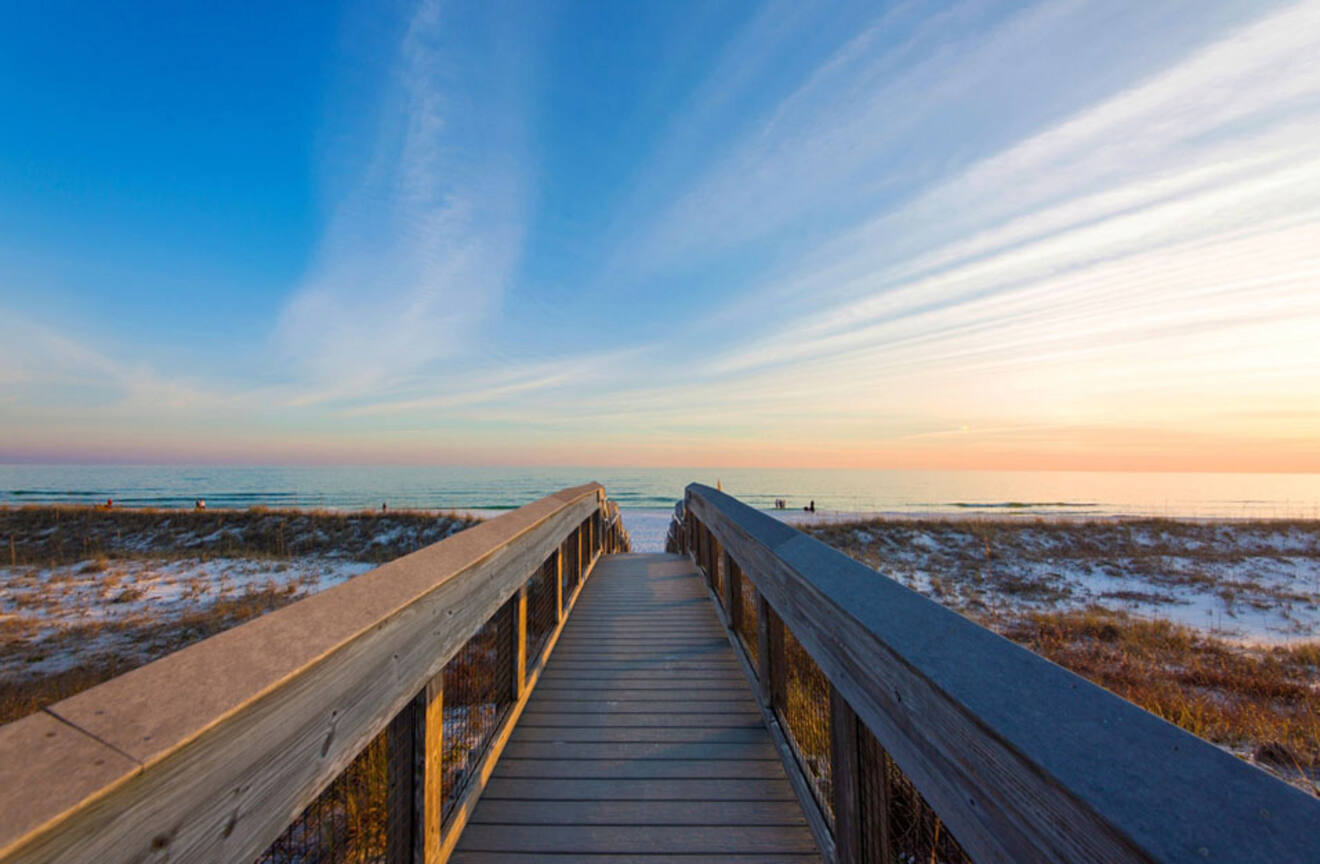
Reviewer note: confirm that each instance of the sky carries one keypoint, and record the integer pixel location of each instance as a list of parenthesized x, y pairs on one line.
[(1054, 235)]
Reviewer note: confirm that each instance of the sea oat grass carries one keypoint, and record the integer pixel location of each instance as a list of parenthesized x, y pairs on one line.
[(54, 535), (1258, 700), (1042, 583), (55, 647)]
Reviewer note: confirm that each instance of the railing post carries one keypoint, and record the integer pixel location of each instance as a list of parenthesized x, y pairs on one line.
[(872, 797), (843, 774), (413, 773), (770, 682), (428, 745), (705, 555), (581, 564), (732, 592), (519, 635), (558, 556)]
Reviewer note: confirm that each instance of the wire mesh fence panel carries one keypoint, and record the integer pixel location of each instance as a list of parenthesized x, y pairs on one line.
[(747, 620), (346, 823), (588, 542), (896, 822), (542, 616), (570, 553), (478, 688), (806, 715)]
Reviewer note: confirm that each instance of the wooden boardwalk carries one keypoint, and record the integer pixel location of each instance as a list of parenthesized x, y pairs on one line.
[(642, 741)]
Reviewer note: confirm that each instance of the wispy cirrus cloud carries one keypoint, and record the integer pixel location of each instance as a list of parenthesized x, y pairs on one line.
[(1153, 253), (417, 254)]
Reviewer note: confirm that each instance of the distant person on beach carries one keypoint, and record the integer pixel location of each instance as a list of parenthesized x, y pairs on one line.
[(810, 508), (200, 504), (383, 508)]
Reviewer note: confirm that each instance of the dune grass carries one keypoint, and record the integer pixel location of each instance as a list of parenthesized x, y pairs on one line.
[(150, 640), (76, 544), (1262, 702), (1259, 700), (54, 535)]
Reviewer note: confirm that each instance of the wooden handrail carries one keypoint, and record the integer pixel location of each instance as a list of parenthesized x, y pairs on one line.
[(1022, 759), (208, 753)]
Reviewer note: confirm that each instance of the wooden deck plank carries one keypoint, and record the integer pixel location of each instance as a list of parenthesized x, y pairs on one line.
[(690, 840), (641, 813), (656, 734), (644, 769), (462, 857), (583, 720), (622, 789), (641, 742), (658, 673), (640, 750), (641, 706)]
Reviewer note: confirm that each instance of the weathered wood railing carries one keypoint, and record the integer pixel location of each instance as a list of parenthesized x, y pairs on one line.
[(903, 723), (210, 752)]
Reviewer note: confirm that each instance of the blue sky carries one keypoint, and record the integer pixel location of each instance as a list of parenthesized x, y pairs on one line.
[(976, 234)]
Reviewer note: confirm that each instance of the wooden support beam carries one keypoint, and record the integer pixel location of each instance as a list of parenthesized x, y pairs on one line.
[(580, 564), (872, 798), (704, 545), (705, 554), (844, 776), (428, 745), (716, 554), (558, 558), (518, 615), (732, 592), (770, 681), (415, 741)]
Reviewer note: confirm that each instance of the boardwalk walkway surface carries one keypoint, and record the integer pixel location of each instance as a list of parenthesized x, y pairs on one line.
[(642, 742)]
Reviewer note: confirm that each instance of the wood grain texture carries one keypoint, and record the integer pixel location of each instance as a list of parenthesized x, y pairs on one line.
[(428, 753), (732, 813), (712, 840), (615, 757), (640, 858), (732, 597), (518, 635), (221, 744), (844, 781), (1023, 760)]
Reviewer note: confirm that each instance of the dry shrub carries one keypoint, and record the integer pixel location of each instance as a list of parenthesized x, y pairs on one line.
[(1260, 699), (150, 640), (54, 535)]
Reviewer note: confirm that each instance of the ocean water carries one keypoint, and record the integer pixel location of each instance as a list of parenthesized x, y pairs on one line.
[(833, 491), (647, 495)]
